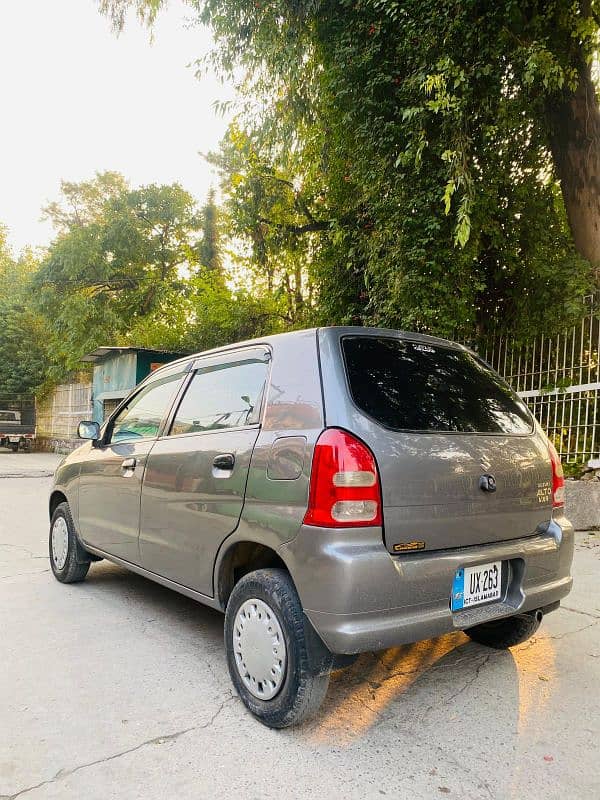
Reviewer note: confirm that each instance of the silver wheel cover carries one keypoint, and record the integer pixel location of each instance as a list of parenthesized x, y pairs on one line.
[(60, 542), (259, 649)]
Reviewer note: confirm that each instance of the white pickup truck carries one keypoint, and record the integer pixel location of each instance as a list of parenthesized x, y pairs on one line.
[(13, 433)]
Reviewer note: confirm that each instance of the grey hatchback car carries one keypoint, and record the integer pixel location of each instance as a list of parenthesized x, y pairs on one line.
[(333, 491)]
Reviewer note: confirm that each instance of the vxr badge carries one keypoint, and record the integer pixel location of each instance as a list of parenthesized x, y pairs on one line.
[(487, 483)]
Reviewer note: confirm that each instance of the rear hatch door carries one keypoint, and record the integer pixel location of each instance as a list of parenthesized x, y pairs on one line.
[(460, 460)]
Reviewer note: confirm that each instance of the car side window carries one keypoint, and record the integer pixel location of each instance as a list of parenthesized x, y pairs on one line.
[(141, 417), (222, 396)]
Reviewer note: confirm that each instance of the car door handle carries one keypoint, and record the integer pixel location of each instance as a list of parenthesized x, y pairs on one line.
[(129, 463), (225, 461)]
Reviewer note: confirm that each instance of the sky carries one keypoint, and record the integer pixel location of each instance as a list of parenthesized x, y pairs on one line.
[(76, 99)]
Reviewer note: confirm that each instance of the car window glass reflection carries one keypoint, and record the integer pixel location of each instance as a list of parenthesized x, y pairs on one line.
[(141, 418), (408, 385), (227, 396)]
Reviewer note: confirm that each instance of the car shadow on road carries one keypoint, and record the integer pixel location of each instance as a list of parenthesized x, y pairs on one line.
[(424, 689), (190, 619), (446, 694)]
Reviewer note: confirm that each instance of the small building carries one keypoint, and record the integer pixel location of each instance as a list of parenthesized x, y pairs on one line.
[(117, 370)]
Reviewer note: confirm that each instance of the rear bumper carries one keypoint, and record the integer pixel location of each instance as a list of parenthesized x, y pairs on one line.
[(359, 597)]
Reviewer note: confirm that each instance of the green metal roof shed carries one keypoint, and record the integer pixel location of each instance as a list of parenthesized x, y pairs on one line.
[(117, 370)]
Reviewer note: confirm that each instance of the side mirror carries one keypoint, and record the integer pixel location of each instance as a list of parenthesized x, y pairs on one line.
[(88, 430)]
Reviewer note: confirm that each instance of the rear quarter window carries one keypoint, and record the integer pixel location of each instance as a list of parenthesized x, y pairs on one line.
[(407, 385)]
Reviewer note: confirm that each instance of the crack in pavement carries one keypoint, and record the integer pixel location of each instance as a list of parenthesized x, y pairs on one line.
[(468, 683), (20, 547), (21, 575), (384, 717), (422, 672), (557, 636), (28, 556), (577, 611), (170, 737), (571, 633)]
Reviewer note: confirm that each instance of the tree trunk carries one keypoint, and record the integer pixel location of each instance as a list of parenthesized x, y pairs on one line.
[(298, 295), (575, 143)]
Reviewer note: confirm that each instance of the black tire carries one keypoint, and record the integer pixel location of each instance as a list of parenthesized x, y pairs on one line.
[(302, 691), (77, 562), (14, 446), (504, 633)]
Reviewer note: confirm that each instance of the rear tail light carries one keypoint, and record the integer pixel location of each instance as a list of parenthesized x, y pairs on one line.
[(558, 479), (344, 483)]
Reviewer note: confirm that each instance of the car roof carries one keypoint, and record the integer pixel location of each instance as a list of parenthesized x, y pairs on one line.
[(338, 331)]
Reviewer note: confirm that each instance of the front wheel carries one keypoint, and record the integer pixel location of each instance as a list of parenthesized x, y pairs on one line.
[(69, 561), (267, 651), (508, 632)]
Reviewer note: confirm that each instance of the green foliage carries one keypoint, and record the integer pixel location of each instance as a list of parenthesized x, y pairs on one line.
[(84, 203), (390, 163), (140, 267), (23, 357), (210, 248), (272, 219), (116, 10), (416, 134), (222, 317), (23, 332), (118, 263)]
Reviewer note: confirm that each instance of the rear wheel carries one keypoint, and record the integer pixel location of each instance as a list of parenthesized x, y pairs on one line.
[(69, 561), (504, 633), (267, 651)]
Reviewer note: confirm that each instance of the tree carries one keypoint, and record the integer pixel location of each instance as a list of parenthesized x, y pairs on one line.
[(119, 261), (139, 267), (84, 203), (23, 355), (210, 249), (6, 264), (455, 168), (267, 210), (23, 332), (221, 316)]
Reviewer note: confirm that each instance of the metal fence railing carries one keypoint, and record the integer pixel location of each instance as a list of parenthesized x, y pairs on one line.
[(559, 379)]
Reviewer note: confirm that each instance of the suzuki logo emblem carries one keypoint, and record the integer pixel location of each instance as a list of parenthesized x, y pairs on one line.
[(487, 483)]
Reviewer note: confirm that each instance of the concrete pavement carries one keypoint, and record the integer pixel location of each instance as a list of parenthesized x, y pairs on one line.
[(118, 688)]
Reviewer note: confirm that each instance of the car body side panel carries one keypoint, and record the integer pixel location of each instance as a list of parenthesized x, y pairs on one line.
[(187, 509), (109, 498), (66, 478), (279, 476)]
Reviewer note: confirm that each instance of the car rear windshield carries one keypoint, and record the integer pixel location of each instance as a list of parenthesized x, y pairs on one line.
[(406, 385)]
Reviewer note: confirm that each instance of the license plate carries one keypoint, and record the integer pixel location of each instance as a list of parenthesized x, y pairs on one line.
[(475, 585)]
